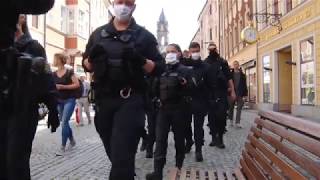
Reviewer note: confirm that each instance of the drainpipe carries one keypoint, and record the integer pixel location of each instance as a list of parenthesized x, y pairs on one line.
[(45, 31), (257, 57)]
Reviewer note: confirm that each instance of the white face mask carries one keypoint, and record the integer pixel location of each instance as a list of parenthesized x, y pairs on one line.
[(122, 12), (171, 58), (195, 56)]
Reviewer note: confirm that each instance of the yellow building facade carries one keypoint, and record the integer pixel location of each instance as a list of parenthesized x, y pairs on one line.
[(288, 63)]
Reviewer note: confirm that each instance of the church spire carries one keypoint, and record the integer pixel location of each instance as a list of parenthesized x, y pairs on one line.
[(162, 32), (162, 17)]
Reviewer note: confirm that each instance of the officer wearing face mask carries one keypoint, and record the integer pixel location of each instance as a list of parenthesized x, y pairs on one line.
[(198, 104), (120, 54), (169, 87), (218, 79)]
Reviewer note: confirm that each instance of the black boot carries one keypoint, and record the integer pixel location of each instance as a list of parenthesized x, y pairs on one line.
[(179, 162), (220, 143), (153, 176), (199, 157), (214, 141), (189, 145), (158, 170), (149, 153)]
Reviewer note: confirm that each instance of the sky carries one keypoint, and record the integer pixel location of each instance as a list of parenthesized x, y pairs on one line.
[(182, 16)]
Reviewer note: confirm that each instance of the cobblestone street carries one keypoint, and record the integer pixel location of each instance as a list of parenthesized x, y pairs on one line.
[(88, 160)]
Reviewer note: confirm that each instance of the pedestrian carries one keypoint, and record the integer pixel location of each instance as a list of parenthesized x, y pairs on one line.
[(198, 104), (67, 84), (83, 101), (168, 87), (17, 106), (120, 54), (219, 79), (240, 85)]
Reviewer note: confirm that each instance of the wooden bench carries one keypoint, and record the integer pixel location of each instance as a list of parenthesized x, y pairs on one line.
[(279, 146)]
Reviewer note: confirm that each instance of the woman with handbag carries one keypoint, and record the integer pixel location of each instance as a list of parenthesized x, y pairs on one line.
[(67, 85)]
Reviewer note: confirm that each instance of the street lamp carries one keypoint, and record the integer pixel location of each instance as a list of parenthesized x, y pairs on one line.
[(269, 18)]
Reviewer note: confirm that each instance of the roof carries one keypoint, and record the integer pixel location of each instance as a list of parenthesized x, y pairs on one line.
[(162, 17)]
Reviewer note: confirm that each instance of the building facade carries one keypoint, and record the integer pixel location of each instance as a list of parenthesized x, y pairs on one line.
[(289, 58), (236, 15), (67, 26), (209, 27), (282, 66)]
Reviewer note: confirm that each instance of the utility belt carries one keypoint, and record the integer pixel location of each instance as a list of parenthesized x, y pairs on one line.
[(115, 92)]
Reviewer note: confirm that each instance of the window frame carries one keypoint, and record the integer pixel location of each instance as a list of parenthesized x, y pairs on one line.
[(314, 71)]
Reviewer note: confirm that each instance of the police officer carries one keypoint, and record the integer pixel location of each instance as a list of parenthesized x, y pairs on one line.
[(198, 104), (17, 108), (169, 87), (219, 80), (119, 54), (152, 108)]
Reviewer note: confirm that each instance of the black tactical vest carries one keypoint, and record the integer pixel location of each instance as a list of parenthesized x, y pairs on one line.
[(115, 70), (170, 87)]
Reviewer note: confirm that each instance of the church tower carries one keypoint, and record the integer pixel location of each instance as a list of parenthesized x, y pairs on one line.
[(162, 32)]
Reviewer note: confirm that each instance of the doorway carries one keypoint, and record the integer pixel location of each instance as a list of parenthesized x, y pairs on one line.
[(285, 79)]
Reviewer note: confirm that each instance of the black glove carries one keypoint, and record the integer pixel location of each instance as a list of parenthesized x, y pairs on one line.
[(132, 55), (53, 121), (98, 58)]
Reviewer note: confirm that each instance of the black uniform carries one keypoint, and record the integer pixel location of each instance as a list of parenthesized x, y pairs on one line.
[(119, 89), (217, 80), (18, 107), (152, 108), (198, 103), (170, 116)]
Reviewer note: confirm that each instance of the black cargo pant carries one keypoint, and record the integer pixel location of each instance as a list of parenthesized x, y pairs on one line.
[(119, 122), (187, 116), (218, 115), (152, 119), (169, 117), (16, 135), (198, 111)]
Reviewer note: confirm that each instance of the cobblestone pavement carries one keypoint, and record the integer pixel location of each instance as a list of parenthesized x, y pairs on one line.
[(88, 160)]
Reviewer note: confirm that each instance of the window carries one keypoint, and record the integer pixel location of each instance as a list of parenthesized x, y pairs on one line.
[(210, 9), (307, 72), (210, 34), (35, 21), (64, 19), (83, 24), (252, 84), (288, 5), (276, 7), (266, 79), (71, 24)]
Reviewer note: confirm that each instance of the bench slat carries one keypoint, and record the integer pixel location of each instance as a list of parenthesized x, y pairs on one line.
[(173, 172), (253, 166), (220, 174), (307, 127), (183, 174), (263, 162), (303, 161), (238, 174), (287, 169), (193, 174), (229, 175), (301, 140), (202, 174), (211, 174), (246, 170)]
